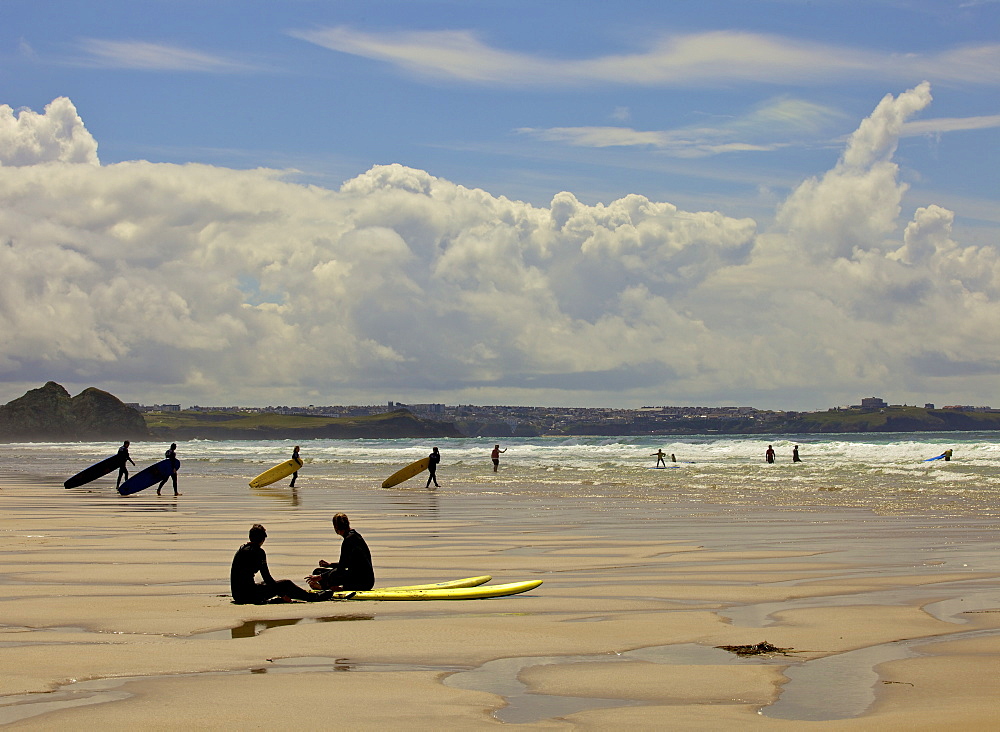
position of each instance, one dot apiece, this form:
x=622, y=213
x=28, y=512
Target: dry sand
x=115, y=614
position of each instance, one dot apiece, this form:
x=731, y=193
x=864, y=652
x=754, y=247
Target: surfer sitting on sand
x=125, y=458
x=659, y=458
x=354, y=570
x=251, y=559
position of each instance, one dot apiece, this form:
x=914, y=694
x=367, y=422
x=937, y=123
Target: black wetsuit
x=432, y=465
x=354, y=571
x=247, y=562
x=123, y=469
x=170, y=455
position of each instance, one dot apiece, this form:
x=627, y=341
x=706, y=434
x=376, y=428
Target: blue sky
x=724, y=108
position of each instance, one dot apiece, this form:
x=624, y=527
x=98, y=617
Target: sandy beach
x=115, y=614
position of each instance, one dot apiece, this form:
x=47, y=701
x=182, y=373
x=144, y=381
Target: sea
x=887, y=473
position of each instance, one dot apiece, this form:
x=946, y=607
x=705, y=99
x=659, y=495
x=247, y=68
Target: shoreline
x=102, y=588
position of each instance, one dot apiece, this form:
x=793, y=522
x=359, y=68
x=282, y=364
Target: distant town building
x=873, y=403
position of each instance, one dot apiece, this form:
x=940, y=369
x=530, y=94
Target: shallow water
x=887, y=473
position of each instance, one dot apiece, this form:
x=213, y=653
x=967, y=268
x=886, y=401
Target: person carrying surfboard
x=251, y=559
x=170, y=455
x=296, y=458
x=432, y=463
x=125, y=458
x=353, y=571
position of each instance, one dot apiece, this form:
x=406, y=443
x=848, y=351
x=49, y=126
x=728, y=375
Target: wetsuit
x=433, y=459
x=122, y=469
x=296, y=458
x=247, y=562
x=170, y=455
x=354, y=571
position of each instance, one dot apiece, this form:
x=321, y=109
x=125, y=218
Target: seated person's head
x=257, y=534
x=341, y=524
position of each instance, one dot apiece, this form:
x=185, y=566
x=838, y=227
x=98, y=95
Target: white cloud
x=726, y=57
x=775, y=124
x=28, y=138
x=950, y=124
x=156, y=57
x=208, y=285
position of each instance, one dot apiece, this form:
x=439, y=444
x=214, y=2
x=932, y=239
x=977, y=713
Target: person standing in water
x=170, y=455
x=432, y=463
x=659, y=457
x=296, y=458
x=495, y=456
x=125, y=458
x=795, y=454
x=769, y=454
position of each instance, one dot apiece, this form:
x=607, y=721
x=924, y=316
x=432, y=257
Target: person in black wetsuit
x=434, y=458
x=354, y=570
x=125, y=458
x=170, y=455
x=296, y=458
x=251, y=559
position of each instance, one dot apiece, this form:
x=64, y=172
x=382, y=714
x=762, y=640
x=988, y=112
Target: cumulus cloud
x=675, y=60
x=28, y=138
x=208, y=285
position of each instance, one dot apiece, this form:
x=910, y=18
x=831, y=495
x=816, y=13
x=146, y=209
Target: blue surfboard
x=939, y=457
x=147, y=477
x=95, y=471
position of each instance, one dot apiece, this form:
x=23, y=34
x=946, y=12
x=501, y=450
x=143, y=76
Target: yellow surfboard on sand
x=479, y=592
x=273, y=475
x=406, y=473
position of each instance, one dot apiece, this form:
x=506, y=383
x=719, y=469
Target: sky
x=785, y=204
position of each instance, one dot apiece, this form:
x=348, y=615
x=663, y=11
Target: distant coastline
x=49, y=414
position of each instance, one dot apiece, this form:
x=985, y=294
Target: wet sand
x=115, y=613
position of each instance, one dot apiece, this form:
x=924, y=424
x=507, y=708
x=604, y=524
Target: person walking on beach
x=170, y=455
x=495, y=456
x=659, y=458
x=433, y=459
x=296, y=458
x=125, y=458
x=769, y=454
x=795, y=455
x=251, y=559
x=353, y=571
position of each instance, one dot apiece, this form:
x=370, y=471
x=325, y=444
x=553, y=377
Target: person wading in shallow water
x=495, y=456
x=251, y=559
x=769, y=454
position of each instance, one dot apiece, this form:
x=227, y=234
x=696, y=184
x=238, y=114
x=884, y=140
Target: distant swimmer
x=125, y=458
x=432, y=463
x=769, y=454
x=251, y=559
x=795, y=455
x=353, y=571
x=170, y=455
x=673, y=458
x=495, y=456
x=659, y=458
x=296, y=458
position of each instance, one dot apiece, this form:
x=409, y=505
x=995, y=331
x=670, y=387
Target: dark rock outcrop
x=49, y=414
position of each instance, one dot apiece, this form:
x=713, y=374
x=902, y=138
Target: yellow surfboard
x=273, y=475
x=480, y=592
x=406, y=473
